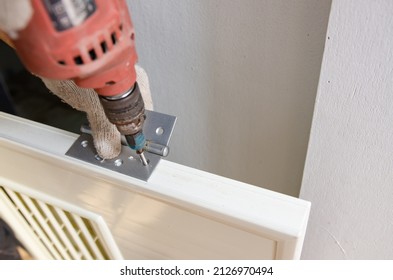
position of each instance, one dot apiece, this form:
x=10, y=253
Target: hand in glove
x=14, y=16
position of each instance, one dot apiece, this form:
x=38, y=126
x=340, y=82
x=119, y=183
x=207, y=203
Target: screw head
x=118, y=162
x=84, y=143
x=97, y=157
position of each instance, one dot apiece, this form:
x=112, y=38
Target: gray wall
x=241, y=76
x=348, y=175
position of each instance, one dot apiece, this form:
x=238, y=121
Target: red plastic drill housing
x=88, y=41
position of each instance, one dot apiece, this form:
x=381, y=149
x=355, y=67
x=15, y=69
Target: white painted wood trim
x=32, y=155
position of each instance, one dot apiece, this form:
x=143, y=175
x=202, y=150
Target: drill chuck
x=126, y=110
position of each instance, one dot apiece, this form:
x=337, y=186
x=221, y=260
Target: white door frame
x=180, y=213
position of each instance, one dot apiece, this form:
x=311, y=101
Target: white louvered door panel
x=62, y=234
x=63, y=208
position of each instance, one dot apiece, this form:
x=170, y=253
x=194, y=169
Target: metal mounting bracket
x=157, y=128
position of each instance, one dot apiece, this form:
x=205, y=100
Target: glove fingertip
x=107, y=150
x=107, y=139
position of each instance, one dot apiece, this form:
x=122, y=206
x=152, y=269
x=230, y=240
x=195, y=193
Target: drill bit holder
x=157, y=128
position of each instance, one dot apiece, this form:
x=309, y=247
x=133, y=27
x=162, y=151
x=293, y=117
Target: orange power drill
x=92, y=43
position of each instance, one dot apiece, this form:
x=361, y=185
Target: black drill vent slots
x=92, y=52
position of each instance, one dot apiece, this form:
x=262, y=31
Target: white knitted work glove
x=14, y=15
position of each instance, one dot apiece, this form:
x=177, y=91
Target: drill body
x=92, y=43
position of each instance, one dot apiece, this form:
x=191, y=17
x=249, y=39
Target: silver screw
x=97, y=156
x=159, y=130
x=118, y=162
x=84, y=143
